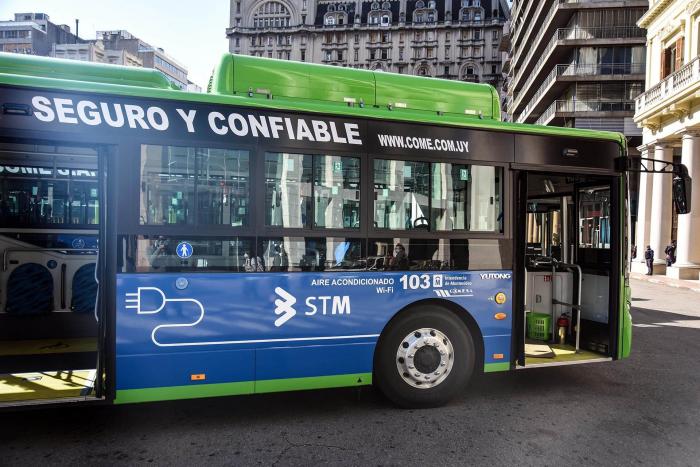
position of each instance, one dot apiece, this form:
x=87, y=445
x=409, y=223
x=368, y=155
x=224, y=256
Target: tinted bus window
x=145, y=253
x=298, y=184
x=181, y=185
x=167, y=184
x=288, y=190
x=420, y=254
x=465, y=197
x=401, y=194
x=222, y=187
x=337, y=192
x=283, y=254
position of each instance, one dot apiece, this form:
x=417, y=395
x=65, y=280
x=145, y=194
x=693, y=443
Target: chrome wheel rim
x=424, y=358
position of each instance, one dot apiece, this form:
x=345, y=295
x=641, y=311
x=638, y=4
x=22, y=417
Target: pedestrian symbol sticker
x=184, y=250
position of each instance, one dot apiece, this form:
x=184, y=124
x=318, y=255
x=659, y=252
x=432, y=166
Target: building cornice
x=654, y=11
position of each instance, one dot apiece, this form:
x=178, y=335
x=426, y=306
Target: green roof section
x=28, y=65
x=75, y=76
x=264, y=78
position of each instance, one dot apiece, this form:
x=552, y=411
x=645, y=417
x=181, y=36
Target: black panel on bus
x=562, y=151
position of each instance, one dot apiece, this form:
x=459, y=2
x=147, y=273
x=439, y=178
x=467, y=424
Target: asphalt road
x=644, y=410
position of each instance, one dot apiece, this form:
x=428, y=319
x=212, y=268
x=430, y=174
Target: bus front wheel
x=424, y=358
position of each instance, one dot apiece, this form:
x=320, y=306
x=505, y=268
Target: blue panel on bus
x=326, y=314
x=299, y=362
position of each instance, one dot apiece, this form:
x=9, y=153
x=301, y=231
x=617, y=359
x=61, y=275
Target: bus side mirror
x=682, y=189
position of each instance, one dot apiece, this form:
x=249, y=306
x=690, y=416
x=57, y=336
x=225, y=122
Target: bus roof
x=293, y=86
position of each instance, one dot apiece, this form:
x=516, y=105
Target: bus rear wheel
x=424, y=358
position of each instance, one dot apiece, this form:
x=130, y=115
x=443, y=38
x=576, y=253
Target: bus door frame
x=520, y=173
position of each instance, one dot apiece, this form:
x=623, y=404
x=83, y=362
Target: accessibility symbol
x=184, y=250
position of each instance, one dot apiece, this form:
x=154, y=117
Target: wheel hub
x=424, y=358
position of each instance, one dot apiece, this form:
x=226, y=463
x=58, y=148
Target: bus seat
x=84, y=289
x=29, y=290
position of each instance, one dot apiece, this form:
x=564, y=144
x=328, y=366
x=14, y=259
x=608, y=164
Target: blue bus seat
x=29, y=290
x=84, y=289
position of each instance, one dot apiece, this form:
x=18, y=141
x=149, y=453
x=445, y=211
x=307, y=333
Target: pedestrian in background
x=670, y=253
x=649, y=258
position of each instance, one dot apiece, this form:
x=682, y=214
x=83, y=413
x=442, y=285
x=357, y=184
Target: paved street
x=644, y=410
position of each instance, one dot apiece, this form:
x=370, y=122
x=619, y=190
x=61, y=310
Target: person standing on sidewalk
x=670, y=253
x=649, y=258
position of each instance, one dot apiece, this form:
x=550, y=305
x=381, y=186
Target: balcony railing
x=620, y=32
x=579, y=106
x=573, y=69
x=688, y=75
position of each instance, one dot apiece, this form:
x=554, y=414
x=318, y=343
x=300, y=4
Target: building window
x=303, y=55
x=238, y=7
x=271, y=14
x=494, y=35
x=493, y=69
x=385, y=54
x=356, y=57
x=672, y=59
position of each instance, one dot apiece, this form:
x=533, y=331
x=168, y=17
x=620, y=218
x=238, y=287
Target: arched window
x=380, y=16
x=331, y=7
x=423, y=70
x=271, y=14
x=375, y=6
x=425, y=15
x=420, y=4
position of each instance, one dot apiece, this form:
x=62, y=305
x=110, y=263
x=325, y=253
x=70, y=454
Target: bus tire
x=424, y=358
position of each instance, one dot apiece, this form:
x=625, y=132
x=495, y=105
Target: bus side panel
x=179, y=335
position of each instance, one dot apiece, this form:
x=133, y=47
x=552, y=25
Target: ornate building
x=454, y=39
x=669, y=112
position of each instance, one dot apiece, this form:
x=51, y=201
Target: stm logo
x=284, y=307
x=495, y=275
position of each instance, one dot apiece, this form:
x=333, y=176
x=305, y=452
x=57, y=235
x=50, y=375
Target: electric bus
x=296, y=226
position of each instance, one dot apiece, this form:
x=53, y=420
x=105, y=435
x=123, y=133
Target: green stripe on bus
x=193, y=391
x=314, y=382
x=128, y=396
x=493, y=367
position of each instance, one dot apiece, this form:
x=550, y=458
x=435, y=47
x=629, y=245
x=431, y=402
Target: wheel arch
x=460, y=312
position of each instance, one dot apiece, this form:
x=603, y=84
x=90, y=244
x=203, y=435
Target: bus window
x=336, y=192
x=84, y=205
x=428, y=254
x=158, y=253
x=465, y=197
x=222, y=187
x=288, y=190
x=170, y=186
x=167, y=184
x=401, y=194
x=311, y=254
x=594, y=217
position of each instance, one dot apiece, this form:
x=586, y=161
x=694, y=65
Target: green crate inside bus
x=539, y=326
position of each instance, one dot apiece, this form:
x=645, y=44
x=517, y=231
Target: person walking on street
x=649, y=258
x=670, y=253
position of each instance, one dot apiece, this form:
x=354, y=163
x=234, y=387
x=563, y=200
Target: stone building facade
x=453, y=39
x=669, y=113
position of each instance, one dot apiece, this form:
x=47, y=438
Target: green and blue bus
x=296, y=226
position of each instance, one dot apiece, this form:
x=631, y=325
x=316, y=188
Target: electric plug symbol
x=134, y=300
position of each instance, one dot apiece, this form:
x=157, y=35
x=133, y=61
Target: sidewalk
x=661, y=279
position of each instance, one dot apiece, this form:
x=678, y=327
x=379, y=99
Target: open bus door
x=53, y=322
x=567, y=258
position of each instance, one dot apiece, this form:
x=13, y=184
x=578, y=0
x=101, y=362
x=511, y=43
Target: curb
x=662, y=280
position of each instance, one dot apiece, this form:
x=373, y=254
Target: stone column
x=661, y=209
x=643, y=227
x=688, y=252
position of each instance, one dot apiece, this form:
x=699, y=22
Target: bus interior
x=568, y=313
x=49, y=217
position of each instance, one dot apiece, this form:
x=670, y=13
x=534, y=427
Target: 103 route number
x=420, y=281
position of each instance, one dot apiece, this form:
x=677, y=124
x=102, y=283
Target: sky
x=192, y=32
